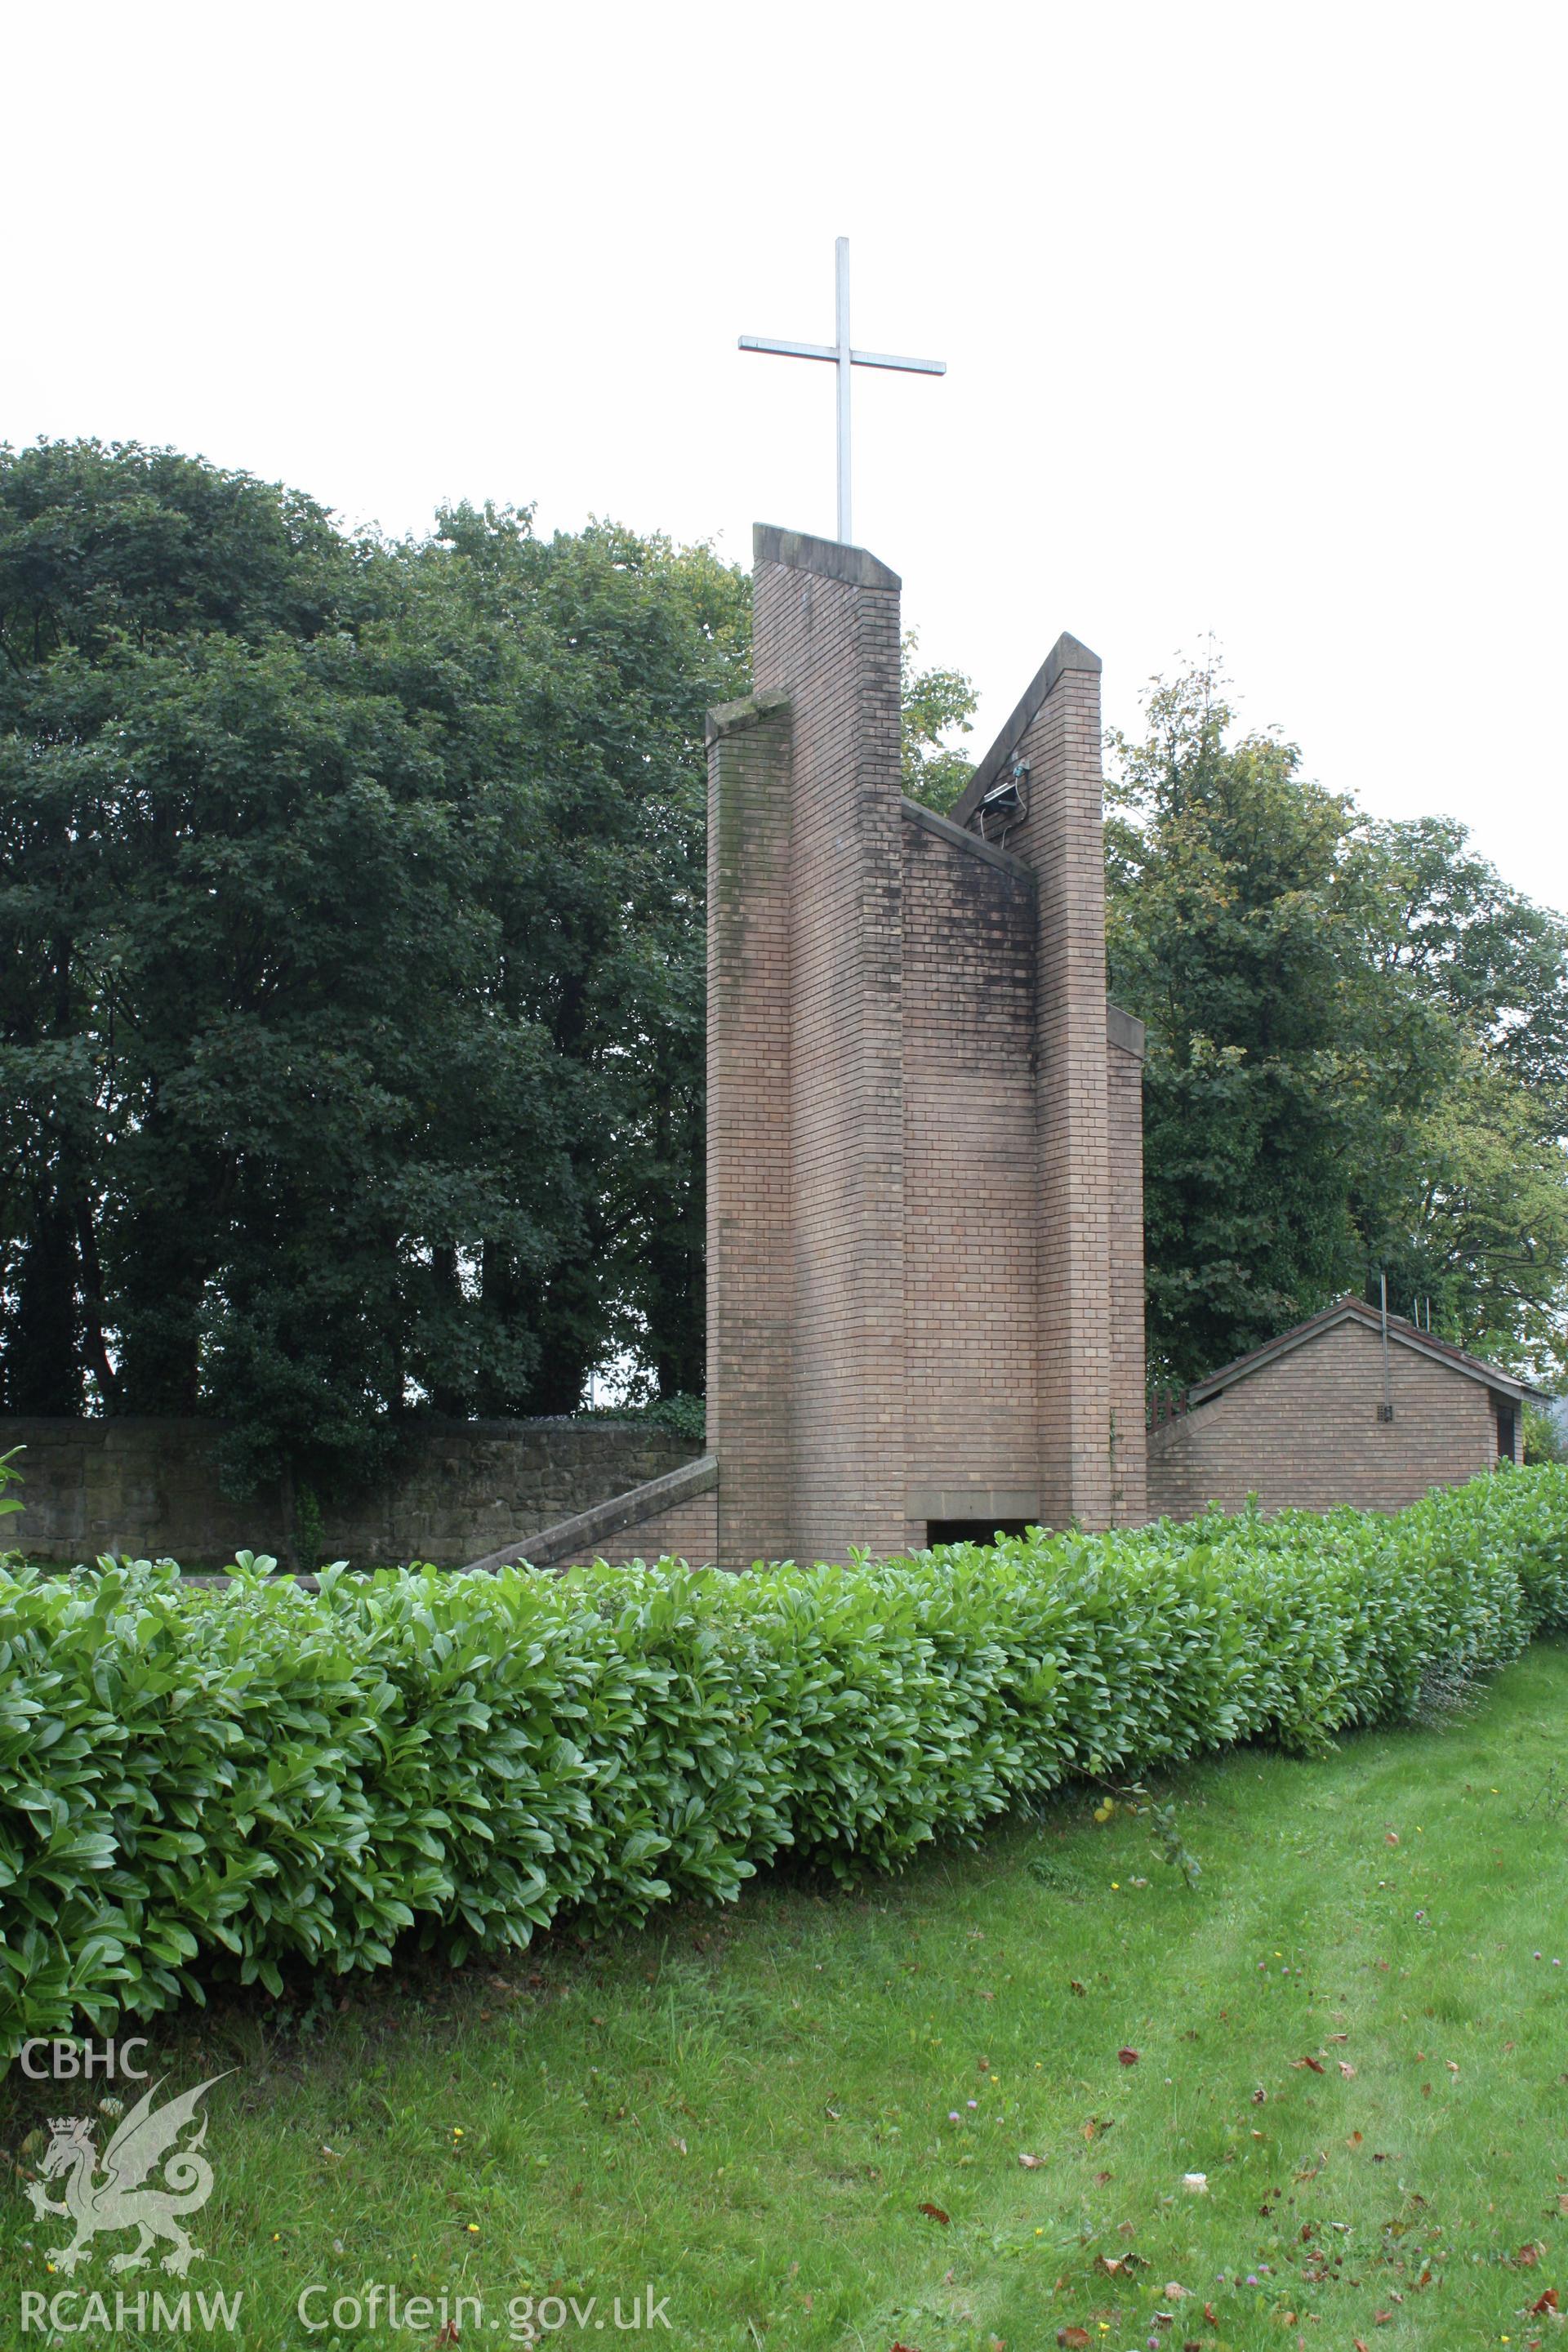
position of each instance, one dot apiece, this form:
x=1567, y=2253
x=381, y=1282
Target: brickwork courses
x=687, y=1531
x=972, y=1249
x=924, y=1219
x=750, y=1280
x=826, y=632
x=1124, y=1119
x=1302, y=1431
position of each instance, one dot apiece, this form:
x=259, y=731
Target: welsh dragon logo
x=110, y=2196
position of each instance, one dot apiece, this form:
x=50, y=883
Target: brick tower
x=925, y=1271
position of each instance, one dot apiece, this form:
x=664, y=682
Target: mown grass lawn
x=803, y=2120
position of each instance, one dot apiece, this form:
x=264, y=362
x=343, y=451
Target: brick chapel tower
x=925, y=1264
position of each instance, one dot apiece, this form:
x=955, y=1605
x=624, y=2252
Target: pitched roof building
x=1338, y=1409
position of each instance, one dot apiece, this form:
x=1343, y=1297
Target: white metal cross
x=843, y=359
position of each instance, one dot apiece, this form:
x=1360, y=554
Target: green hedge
x=201, y=1781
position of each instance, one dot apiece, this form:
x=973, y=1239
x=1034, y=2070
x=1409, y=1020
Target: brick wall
x=826, y=630
x=971, y=1263
x=687, y=1531
x=1062, y=839
x=925, y=1288
x=751, y=1278
x=1302, y=1431
x=1124, y=1119
x=454, y=1491
x=1055, y=732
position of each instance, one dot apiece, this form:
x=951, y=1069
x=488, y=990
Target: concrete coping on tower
x=734, y=717
x=830, y=558
x=1125, y=1030
x=1065, y=655
x=917, y=813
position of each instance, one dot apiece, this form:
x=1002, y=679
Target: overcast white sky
x=1254, y=317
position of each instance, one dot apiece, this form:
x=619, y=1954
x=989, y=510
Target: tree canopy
x=350, y=984
x=938, y=704
x=1358, y=1052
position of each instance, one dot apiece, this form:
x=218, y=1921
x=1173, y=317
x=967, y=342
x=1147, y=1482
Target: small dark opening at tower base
x=973, y=1531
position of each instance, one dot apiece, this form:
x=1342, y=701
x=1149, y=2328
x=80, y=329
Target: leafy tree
x=1356, y=1059
x=1471, y=943
x=351, y=911
x=937, y=704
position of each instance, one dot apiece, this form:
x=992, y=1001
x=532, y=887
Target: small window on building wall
x=1506, y=1412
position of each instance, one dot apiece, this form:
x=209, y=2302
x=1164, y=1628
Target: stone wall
x=454, y=1491
x=1302, y=1432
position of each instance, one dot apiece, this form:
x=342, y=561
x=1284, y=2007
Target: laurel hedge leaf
x=200, y=1783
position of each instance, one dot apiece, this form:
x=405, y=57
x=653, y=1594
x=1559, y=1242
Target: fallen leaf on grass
x=1211, y=2315
x=1101, y=2178
x=1031, y=2163
x=1074, y=2338
x=1315, y=2064
x=934, y=2213
x=1175, y=2293
x=1074, y=1986
x=1360, y=2343
x=1548, y=2302
x=1127, y=2056
x=1347, y=2070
